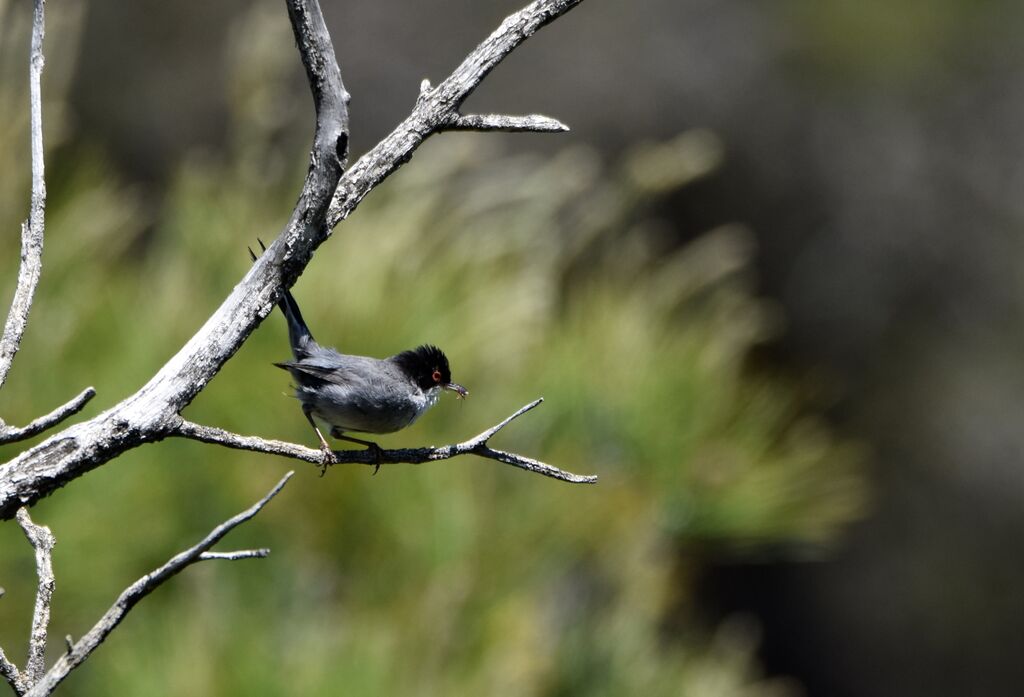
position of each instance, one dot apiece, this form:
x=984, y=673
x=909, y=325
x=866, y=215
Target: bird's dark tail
x=299, y=336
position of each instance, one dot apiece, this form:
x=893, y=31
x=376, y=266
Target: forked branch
x=478, y=445
x=153, y=412
x=147, y=415
x=83, y=648
x=42, y=541
x=32, y=232
x=438, y=108
x=327, y=197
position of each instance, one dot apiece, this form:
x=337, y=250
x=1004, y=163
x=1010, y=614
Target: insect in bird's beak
x=460, y=391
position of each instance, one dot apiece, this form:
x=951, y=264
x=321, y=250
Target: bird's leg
x=329, y=458
x=371, y=446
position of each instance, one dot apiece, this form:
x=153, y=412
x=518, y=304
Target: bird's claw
x=377, y=454
x=328, y=459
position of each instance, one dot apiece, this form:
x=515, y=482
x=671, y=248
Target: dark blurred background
x=830, y=189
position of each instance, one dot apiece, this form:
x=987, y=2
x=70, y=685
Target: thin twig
x=478, y=445
x=534, y=123
x=32, y=230
x=42, y=541
x=11, y=434
x=84, y=647
x=235, y=556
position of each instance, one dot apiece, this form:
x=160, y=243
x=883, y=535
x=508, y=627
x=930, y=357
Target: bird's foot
x=378, y=454
x=371, y=447
x=328, y=458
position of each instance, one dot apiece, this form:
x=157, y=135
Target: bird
x=359, y=393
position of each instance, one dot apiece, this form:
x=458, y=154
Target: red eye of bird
x=436, y=376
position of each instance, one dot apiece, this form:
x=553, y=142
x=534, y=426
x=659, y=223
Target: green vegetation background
x=540, y=276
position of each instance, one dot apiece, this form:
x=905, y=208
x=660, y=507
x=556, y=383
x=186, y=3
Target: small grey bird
x=358, y=393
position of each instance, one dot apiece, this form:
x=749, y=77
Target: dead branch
x=32, y=229
x=437, y=108
x=534, y=123
x=83, y=648
x=11, y=434
x=148, y=415
x=326, y=198
x=42, y=541
x=10, y=673
x=477, y=445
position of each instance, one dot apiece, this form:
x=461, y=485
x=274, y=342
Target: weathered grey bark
x=42, y=541
x=153, y=412
x=32, y=229
x=32, y=232
x=11, y=434
x=79, y=651
x=10, y=673
x=478, y=445
x=437, y=107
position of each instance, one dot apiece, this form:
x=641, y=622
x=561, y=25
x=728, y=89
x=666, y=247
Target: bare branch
x=147, y=415
x=261, y=553
x=42, y=540
x=474, y=446
x=84, y=647
x=10, y=673
x=32, y=230
x=11, y=434
x=502, y=122
x=218, y=436
x=437, y=106
x=152, y=413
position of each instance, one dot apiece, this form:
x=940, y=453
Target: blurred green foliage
x=538, y=276
x=906, y=44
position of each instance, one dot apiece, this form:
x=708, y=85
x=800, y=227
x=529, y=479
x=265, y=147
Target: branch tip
x=11, y=434
x=482, y=438
x=532, y=123
x=234, y=556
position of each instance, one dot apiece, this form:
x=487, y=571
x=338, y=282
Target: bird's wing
x=334, y=368
x=329, y=374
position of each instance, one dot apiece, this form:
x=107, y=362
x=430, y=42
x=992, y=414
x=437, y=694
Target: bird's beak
x=458, y=389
